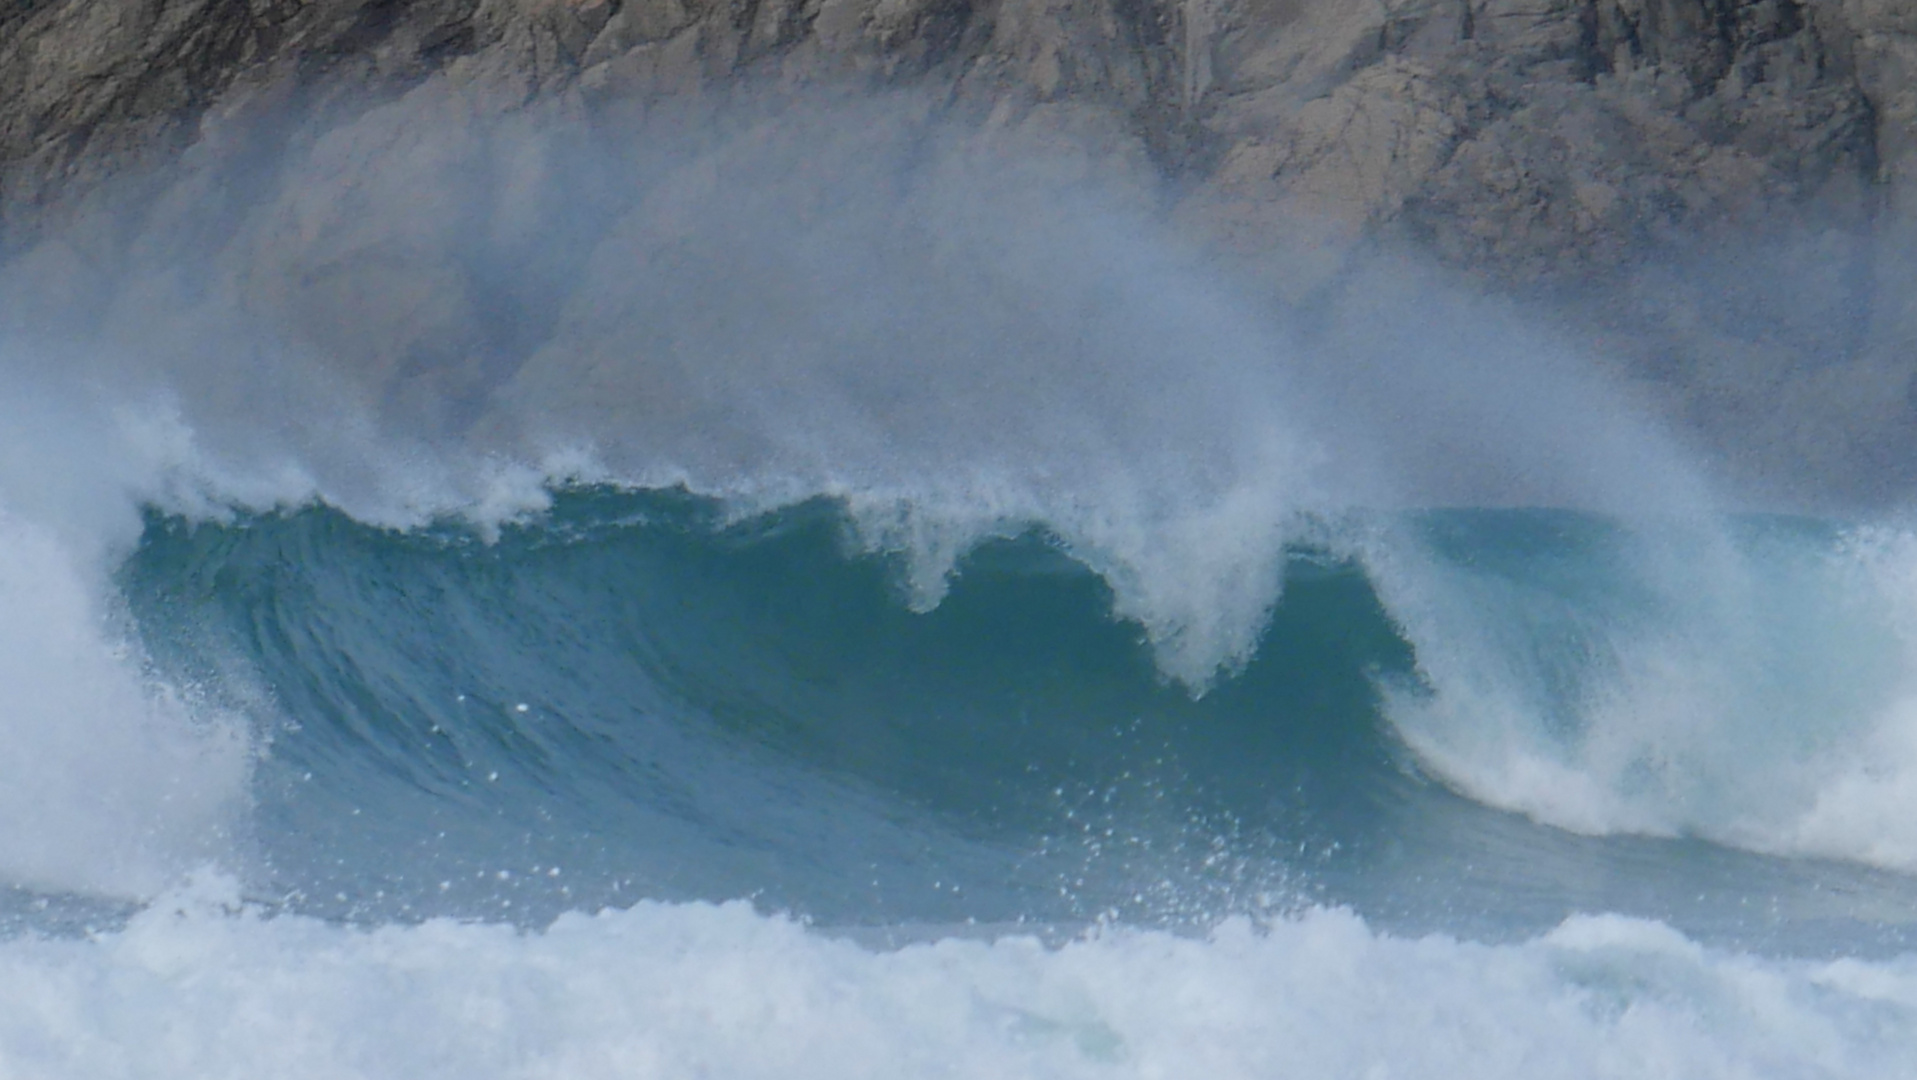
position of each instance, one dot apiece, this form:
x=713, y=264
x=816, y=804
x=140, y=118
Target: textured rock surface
x=1722, y=192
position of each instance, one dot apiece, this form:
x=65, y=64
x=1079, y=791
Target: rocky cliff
x=1721, y=193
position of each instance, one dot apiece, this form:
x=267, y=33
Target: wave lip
x=656, y=694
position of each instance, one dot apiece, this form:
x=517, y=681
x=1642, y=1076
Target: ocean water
x=634, y=786
x=926, y=633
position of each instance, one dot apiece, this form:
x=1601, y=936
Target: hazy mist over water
x=474, y=547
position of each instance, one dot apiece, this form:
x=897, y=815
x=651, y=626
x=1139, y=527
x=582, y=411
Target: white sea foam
x=111, y=781
x=1759, y=692
x=1866, y=808
x=108, y=783
x=194, y=987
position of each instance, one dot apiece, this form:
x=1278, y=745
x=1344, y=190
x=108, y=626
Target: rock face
x=1723, y=192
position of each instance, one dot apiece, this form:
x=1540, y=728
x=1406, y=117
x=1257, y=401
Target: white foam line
x=194, y=988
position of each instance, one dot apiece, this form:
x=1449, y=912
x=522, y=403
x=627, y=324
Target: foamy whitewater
x=825, y=595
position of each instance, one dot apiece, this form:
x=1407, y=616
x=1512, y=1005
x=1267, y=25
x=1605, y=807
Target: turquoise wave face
x=636, y=697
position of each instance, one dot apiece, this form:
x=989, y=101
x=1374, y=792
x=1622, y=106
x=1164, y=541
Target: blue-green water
x=634, y=695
